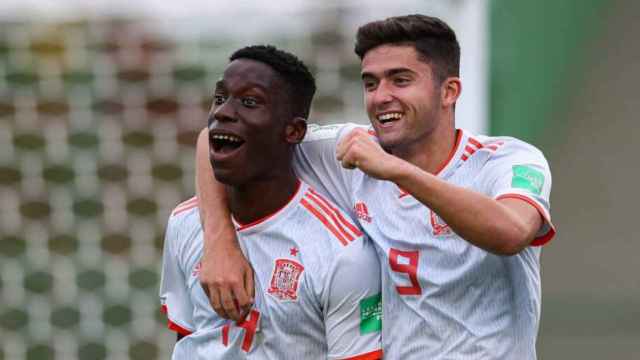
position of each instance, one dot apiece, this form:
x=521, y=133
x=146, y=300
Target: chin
x=227, y=176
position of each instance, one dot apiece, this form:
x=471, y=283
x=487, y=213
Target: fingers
x=229, y=304
x=349, y=150
x=216, y=302
x=244, y=294
x=249, y=286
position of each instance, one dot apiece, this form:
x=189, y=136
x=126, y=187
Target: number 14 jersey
x=313, y=299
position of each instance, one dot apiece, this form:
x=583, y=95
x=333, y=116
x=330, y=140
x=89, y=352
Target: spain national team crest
x=285, y=280
x=440, y=228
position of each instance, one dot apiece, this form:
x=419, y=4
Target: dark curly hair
x=302, y=84
x=432, y=38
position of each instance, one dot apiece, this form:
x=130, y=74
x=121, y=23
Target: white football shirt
x=444, y=298
x=317, y=286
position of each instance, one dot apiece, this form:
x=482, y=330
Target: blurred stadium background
x=100, y=104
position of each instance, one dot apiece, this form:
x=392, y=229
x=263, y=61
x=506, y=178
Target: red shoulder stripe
x=188, y=202
x=475, y=142
x=184, y=208
x=354, y=229
x=331, y=216
x=324, y=220
x=185, y=205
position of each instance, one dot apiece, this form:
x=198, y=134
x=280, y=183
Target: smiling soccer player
x=311, y=301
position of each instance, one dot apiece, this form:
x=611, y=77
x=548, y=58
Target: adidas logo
x=362, y=212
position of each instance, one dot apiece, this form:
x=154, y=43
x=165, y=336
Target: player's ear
x=295, y=129
x=450, y=91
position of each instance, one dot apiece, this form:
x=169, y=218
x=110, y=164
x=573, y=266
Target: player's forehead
x=246, y=73
x=392, y=58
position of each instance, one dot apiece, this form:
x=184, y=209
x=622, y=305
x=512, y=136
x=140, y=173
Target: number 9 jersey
x=443, y=297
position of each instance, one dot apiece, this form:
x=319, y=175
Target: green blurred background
x=98, y=118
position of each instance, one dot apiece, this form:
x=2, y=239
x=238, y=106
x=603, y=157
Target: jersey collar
x=265, y=221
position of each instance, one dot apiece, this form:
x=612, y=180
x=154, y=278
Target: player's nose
x=225, y=112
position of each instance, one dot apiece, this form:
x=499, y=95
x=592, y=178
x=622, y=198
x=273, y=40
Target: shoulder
x=330, y=224
x=502, y=147
x=317, y=132
x=183, y=225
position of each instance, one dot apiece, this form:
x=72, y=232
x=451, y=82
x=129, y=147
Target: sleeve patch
x=527, y=178
x=371, y=314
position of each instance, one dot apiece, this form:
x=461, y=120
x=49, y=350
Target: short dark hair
x=302, y=84
x=432, y=38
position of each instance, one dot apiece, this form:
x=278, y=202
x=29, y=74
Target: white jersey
x=317, y=281
x=444, y=298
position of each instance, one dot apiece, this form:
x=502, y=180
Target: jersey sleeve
x=520, y=171
x=352, y=305
x=174, y=295
x=315, y=162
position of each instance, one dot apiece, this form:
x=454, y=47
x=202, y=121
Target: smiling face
x=402, y=98
x=248, y=124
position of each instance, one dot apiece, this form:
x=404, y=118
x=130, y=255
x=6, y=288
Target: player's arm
x=352, y=307
x=504, y=226
x=226, y=276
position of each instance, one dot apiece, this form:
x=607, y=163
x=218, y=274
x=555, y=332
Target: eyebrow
x=388, y=73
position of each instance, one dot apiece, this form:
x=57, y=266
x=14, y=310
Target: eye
x=219, y=99
x=369, y=85
x=401, y=81
x=249, y=102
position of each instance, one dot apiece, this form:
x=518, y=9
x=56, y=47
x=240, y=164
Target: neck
x=255, y=200
x=432, y=151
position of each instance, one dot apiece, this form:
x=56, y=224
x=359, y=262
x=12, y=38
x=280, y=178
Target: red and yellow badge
x=284, y=280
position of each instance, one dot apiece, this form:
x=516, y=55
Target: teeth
x=389, y=116
x=227, y=138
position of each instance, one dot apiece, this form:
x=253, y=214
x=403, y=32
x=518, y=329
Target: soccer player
x=311, y=301
x=457, y=218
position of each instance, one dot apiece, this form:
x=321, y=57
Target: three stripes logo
x=331, y=217
x=362, y=212
x=475, y=145
x=184, y=206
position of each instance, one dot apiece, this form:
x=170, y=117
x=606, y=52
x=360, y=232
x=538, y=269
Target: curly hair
x=302, y=84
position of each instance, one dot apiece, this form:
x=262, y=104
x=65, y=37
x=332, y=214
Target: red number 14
x=249, y=325
x=410, y=268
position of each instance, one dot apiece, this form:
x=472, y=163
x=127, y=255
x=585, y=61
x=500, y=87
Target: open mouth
x=389, y=117
x=225, y=143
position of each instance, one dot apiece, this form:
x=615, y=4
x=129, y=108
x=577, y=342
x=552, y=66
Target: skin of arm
x=226, y=276
x=502, y=227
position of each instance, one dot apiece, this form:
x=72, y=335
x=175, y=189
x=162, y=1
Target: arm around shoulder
x=226, y=276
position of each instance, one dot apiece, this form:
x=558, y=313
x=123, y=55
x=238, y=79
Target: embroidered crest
x=284, y=280
x=439, y=227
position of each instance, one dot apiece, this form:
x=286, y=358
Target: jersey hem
x=539, y=240
x=173, y=326
x=373, y=355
